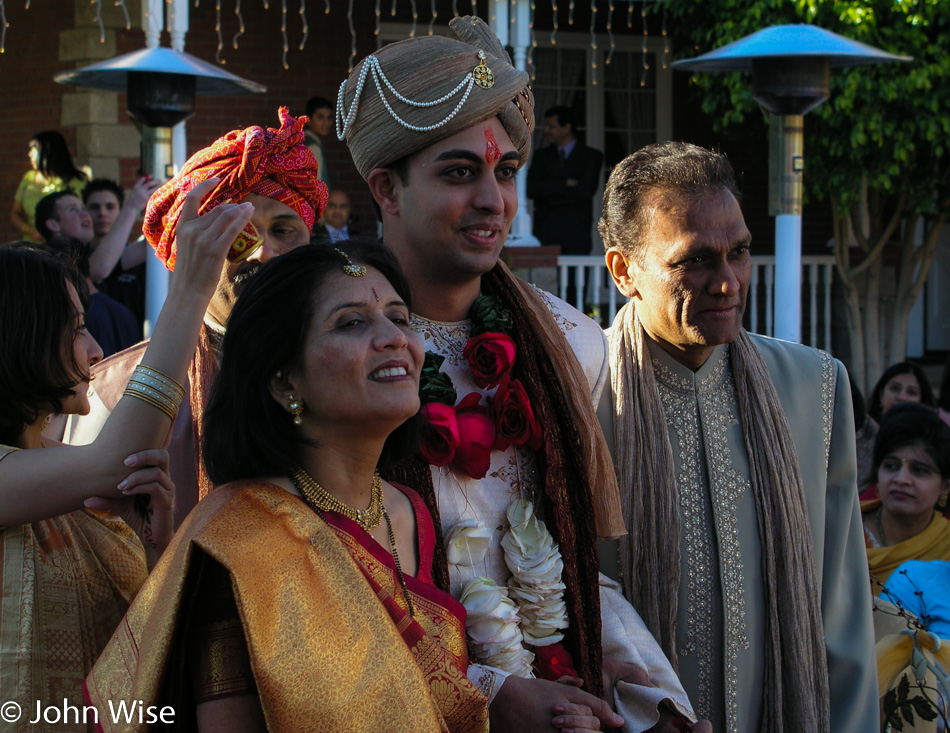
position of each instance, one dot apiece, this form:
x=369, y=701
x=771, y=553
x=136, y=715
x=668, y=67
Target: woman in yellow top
x=912, y=464
x=53, y=170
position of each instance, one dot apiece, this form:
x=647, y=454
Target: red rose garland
x=465, y=434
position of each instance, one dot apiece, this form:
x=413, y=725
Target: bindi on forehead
x=492, y=151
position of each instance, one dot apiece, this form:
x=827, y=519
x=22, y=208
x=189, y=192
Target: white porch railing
x=596, y=295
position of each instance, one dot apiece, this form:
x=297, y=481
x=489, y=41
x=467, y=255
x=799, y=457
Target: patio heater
x=791, y=66
x=160, y=85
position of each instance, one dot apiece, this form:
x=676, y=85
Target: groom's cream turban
x=411, y=94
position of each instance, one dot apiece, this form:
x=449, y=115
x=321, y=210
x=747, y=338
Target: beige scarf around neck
x=796, y=696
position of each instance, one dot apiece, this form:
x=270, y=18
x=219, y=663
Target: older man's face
x=282, y=230
x=690, y=279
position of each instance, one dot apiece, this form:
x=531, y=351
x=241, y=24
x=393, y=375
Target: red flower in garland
x=490, y=356
x=515, y=423
x=476, y=431
x=552, y=662
x=440, y=434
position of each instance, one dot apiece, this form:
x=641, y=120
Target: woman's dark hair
x=54, y=158
x=37, y=365
x=901, y=367
x=914, y=424
x=246, y=433
x=943, y=401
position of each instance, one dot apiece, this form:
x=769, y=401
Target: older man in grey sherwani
x=736, y=461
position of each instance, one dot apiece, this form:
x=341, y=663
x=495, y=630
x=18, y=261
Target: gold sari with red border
x=331, y=648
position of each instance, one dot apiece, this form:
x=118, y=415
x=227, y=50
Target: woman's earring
x=295, y=408
x=942, y=502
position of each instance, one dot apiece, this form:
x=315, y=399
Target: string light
x=237, y=12
x=593, y=41
x=666, y=42
x=266, y=5
x=283, y=32
x=349, y=18
x=415, y=18
x=474, y=9
x=512, y=13
x=3, y=27
x=434, y=16
x=303, y=21
x=392, y=10
x=217, y=29
x=375, y=32
x=455, y=9
x=630, y=15
x=125, y=12
x=646, y=66
x=102, y=28
x=554, y=30
x=534, y=43
x=570, y=13
x=610, y=31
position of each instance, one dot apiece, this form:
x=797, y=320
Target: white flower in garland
x=536, y=584
x=467, y=543
x=493, y=627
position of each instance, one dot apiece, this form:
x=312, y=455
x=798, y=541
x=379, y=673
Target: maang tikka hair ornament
x=349, y=268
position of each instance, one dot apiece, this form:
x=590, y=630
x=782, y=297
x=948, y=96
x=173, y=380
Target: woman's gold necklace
x=319, y=498
x=402, y=578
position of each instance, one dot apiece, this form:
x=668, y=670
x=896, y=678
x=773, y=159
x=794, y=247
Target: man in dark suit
x=562, y=180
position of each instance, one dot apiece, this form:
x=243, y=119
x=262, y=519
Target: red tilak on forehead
x=492, y=151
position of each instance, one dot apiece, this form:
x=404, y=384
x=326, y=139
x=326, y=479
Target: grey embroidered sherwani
x=721, y=612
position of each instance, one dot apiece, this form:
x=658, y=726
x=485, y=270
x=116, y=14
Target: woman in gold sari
x=298, y=596
x=68, y=567
x=912, y=465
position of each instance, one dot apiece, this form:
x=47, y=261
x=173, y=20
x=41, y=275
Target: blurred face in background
x=337, y=213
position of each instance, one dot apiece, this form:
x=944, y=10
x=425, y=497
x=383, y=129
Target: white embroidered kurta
x=512, y=474
x=721, y=606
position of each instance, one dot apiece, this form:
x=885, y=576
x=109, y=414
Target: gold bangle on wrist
x=155, y=388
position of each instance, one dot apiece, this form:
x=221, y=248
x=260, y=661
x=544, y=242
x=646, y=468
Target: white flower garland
x=531, y=609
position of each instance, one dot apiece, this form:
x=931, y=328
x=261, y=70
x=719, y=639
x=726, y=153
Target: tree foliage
x=879, y=148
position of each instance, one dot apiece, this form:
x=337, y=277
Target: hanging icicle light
x=646, y=57
x=240, y=18
x=305, y=28
x=283, y=32
x=217, y=29
x=378, y=22
x=534, y=43
x=434, y=16
x=593, y=42
x=125, y=12
x=3, y=27
x=349, y=18
x=392, y=10
x=666, y=42
x=570, y=13
x=554, y=30
x=610, y=31
x=415, y=18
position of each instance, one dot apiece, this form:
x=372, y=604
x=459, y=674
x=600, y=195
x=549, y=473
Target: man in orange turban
x=274, y=171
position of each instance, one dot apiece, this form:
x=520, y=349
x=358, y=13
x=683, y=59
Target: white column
x=518, y=37
x=179, y=28
x=788, y=277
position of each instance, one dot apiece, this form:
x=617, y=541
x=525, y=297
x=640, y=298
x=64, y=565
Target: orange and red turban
x=268, y=162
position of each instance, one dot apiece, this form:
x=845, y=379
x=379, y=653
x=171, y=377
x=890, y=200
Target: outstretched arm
x=79, y=472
